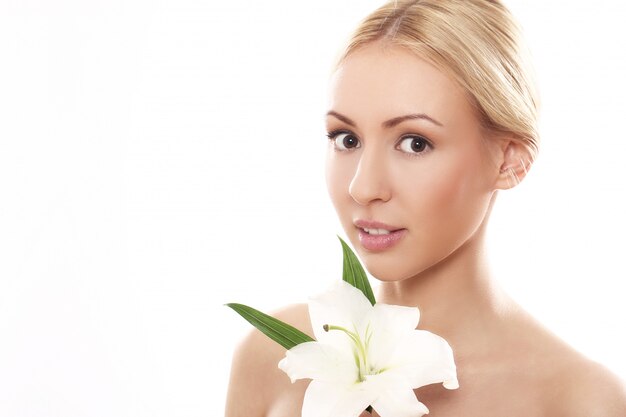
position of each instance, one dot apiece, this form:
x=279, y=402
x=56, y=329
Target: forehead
x=383, y=82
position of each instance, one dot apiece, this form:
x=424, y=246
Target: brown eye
x=414, y=144
x=344, y=140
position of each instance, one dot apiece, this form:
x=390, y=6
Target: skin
x=508, y=365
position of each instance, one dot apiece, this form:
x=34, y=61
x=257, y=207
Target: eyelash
x=332, y=137
x=428, y=146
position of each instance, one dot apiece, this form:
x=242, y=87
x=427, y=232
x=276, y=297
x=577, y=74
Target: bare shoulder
x=591, y=390
x=566, y=382
x=255, y=380
x=578, y=386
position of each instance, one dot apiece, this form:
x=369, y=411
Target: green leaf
x=354, y=274
x=280, y=332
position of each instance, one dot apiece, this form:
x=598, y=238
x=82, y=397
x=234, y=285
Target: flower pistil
x=359, y=347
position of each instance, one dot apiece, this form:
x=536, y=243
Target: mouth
x=377, y=232
x=377, y=236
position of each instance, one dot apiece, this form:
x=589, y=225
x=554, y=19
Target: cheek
x=444, y=207
x=449, y=187
x=439, y=194
x=432, y=189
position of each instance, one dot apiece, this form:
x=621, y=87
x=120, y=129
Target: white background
x=161, y=158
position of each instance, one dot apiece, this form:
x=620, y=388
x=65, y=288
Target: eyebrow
x=389, y=123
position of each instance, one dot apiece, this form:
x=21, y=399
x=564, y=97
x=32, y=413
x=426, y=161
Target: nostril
x=371, y=180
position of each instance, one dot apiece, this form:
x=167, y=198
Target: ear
x=515, y=162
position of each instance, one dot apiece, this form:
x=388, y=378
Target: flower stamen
x=360, y=349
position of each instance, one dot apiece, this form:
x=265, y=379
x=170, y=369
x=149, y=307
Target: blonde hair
x=476, y=42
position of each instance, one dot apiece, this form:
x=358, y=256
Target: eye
x=414, y=144
x=343, y=140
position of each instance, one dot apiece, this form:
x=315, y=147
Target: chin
x=388, y=268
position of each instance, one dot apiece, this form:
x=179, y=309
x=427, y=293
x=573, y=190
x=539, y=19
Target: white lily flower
x=367, y=355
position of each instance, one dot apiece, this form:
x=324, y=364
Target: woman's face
x=406, y=149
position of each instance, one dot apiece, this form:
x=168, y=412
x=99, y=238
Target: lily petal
x=400, y=402
x=369, y=355
x=400, y=318
x=391, y=324
x=425, y=358
x=329, y=400
x=320, y=362
x=343, y=305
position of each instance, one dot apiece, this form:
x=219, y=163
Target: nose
x=371, y=181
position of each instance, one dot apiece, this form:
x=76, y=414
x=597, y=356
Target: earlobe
x=515, y=164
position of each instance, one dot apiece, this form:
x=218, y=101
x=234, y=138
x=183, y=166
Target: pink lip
x=374, y=225
x=377, y=243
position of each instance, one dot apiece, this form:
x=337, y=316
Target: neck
x=457, y=297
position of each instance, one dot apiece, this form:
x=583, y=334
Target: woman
x=432, y=112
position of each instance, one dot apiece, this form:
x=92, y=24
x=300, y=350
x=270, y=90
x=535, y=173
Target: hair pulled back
x=476, y=42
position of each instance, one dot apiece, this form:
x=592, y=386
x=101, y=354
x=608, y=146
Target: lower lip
x=380, y=242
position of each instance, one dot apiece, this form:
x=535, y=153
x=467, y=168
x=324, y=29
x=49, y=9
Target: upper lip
x=372, y=224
